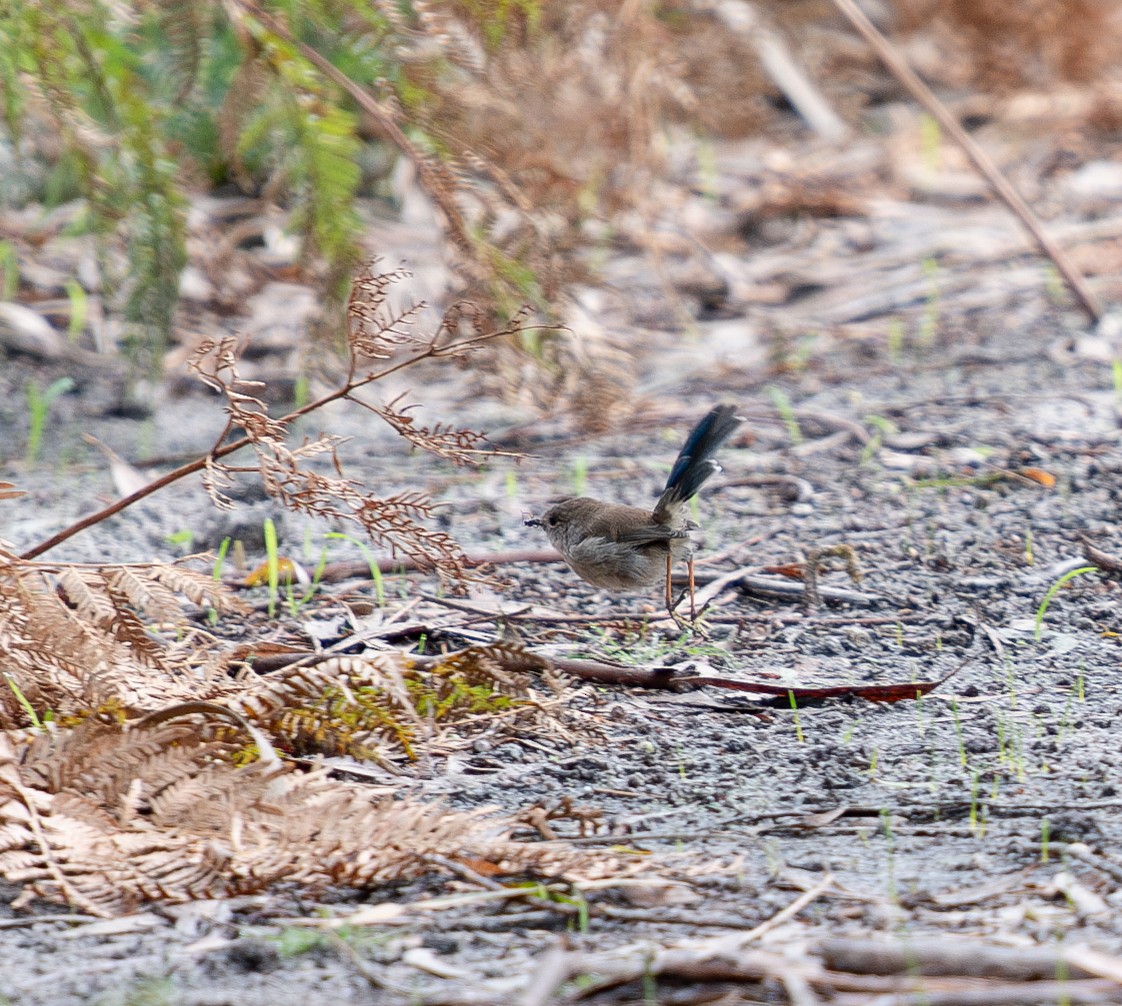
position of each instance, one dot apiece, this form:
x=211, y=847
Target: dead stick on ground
x=1000, y=184
x=793, y=909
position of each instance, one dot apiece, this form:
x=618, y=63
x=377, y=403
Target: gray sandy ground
x=946, y=799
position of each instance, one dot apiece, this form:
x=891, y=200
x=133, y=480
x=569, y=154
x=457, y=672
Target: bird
x=621, y=547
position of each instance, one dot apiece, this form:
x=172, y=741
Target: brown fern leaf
x=459, y=446
x=85, y=589
x=206, y=828
x=374, y=331
x=393, y=521
x=199, y=588
x=145, y=593
x=76, y=639
x=243, y=99
x=215, y=362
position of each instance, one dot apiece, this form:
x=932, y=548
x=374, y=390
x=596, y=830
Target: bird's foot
x=692, y=624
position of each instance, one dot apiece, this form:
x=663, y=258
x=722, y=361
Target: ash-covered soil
x=943, y=801
x=966, y=457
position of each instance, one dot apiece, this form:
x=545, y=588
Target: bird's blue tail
x=695, y=463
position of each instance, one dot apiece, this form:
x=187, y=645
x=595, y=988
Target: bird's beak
x=532, y=522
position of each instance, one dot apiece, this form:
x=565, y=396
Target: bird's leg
x=693, y=606
x=672, y=603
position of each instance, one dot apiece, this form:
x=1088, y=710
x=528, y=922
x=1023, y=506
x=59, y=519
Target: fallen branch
x=981, y=160
x=924, y=955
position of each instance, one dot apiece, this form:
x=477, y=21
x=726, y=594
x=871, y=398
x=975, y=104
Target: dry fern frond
x=459, y=446
x=374, y=331
x=1005, y=46
x=398, y=521
x=79, y=638
x=171, y=818
x=380, y=707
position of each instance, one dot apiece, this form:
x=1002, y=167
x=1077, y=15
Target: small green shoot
x=511, y=484
x=578, y=901
x=32, y=715
x=1054, y=285
x=580, y=475
x=149, y=992
x=929, y=322
x=9, y=271
x=894, y=339
x=185, y=538
x=882, y=428
x=798, y=722
x=272, y=564
x=1030, y=557
x=302, y=391
x=79, y=309
x=375, y=569
x=1045, y=832
x=38, y=405
x=293, y=941
x=707, y=171
x=650, y=983
x=786, y=412
x=930, y=141
x=958, y=733
x=1042, y=610
x=890, y=847
x=216, y=575
x=1116, y=374
x=321, y=565
x=874, y=759
x=220, y=559
x=977, y=807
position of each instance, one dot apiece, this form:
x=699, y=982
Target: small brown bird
x=626, y=547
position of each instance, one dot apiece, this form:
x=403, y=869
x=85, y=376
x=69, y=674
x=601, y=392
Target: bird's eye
x=552, y=520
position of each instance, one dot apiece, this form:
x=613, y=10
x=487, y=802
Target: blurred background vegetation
x=525, y=121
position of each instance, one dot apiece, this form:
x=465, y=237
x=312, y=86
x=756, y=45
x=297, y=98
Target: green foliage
x=1042, y=609
x=349, y=720
x=497, y=20
x=9, y=271
x=147, y=99
x=38, y=405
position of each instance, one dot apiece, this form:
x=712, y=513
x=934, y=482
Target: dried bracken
x=375, y=332
x=79, y=638
x=1006, y=46
x=140, y=758
x=133, y=789
x=105, y=817
x=384, y=706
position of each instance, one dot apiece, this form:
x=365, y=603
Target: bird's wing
x=652, y=533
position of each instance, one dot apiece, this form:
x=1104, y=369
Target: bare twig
x=434, y=350
x=793, y=909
